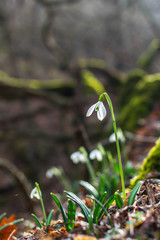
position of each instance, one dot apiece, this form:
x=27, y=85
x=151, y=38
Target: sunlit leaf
x=119, y=200
x=106, y=205
x=101, y=207
x=71, y=214
x=37, y=220
x=98, y=208
x=83, y=207
x=90, y=188
x=57, y=201
x=133, y=193
x=49, y=218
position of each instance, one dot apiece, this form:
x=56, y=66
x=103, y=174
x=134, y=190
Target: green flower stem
x=124, y=152
x=42, y=203
x=88, y=164
x=90, y=170
x=117, y=142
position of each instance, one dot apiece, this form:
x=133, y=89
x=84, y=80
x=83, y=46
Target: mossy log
x=11, y=87
x=138, y=94
x=150, y=163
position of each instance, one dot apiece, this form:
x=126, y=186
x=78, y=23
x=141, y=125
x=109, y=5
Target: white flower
x=35, y=193
x=77, y=157
x=99, y=108
x=96, y=154
x=120, y=136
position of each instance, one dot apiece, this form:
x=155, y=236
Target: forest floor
x=141, y=220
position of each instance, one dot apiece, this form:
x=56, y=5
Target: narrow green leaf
x=57, y=201
x=71, y=215
x=49, y=218
x=83, y=207
x=101, y=206
x=133, y=193
x=119, y=200
x=2, y=215
x=36, y=220
x=106, y=205
x=90, y=220
x=98, y=208
x=11, y=223
x=90, y=188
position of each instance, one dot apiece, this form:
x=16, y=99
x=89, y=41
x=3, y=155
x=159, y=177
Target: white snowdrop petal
x=34, y=193
x=112, y=138
x=120, y=137
x=82, y=158
x=99, y=116
x=75, y=157
x=49, y=173
x=90, y=110
x=92, y=155
x=102, y=110
x=99, y=156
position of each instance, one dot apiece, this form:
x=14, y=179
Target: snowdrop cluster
x=78, y=157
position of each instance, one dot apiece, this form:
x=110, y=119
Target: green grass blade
x=133, y=194
x=83, y=207
x=71, y=214
x=106, y=205
x=49, y=218
x=11, y=223
x=119, y=200
x=90, y=188
x=2, y=215
x=57, y=201
x=36, y=220
x=98, y=208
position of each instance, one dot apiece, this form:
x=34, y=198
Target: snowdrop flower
x=99, y=108
x=35, y=193
x=96, y=154
x=54, y=171
x=77, y=157
x=120, y=136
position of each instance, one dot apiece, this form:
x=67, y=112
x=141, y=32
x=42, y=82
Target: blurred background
x=56, y=57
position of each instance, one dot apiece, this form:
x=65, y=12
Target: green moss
x=137, y=98
x=134, y=110
x=89, y=80
x=128, y=85
x=151, y=162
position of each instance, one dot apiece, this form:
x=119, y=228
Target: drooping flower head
x=35, y=193
x=77, y=157
x=54, y=171
x=120, y=136
x=99, y=108
x=96, y=154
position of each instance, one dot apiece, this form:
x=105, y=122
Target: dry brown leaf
x=9, y=231
x=84, y=237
